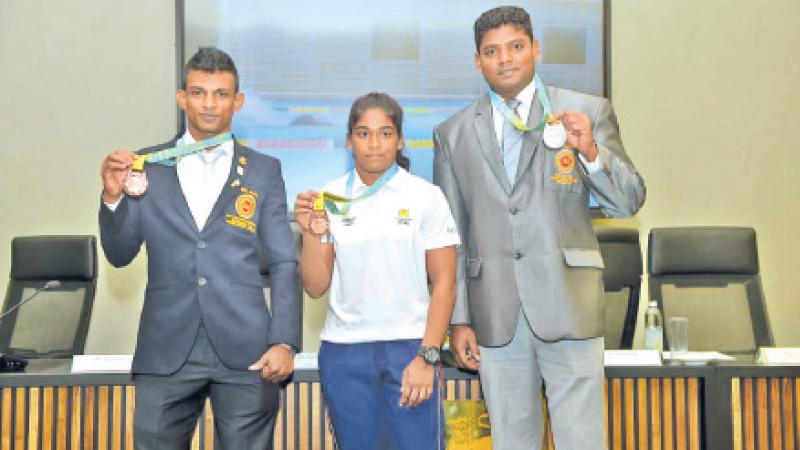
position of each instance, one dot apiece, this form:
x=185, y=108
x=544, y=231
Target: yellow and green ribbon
x=331, y=199
x=167, y=157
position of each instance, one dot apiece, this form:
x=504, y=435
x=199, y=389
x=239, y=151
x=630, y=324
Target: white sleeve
x=438, y=227
x=113, y=206
x=591, y=167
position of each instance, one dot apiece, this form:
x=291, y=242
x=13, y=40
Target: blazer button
x=513, y=211
x=201, y=244
x=517, y=255
x=202, y=281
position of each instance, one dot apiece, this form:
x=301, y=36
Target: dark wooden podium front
x=728, y=406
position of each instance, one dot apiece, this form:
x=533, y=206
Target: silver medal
x=554, y=135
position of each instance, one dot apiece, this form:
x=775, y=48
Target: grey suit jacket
x=531, y=245
x=209, y=275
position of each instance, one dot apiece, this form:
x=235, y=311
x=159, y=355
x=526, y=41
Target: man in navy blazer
x=205, y=329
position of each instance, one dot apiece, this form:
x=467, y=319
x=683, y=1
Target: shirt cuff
x=591, y=167
x=113, y=206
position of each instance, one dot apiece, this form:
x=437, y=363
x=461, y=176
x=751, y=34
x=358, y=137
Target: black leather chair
x=711, y=276
x=50, y=295
x=622, y=278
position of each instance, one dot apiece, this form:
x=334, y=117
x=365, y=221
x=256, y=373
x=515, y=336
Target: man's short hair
x=211, y=59
x=497, y=17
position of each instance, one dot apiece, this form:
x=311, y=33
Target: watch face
x=430, y=355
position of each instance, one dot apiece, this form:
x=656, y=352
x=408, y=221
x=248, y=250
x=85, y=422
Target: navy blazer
x=209, y=275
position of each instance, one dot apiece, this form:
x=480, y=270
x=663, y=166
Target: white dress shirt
x=526, y=98
x=202, y=176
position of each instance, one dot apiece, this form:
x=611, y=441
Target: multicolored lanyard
x=513, y=117
x=167, y=157
x=347, y=199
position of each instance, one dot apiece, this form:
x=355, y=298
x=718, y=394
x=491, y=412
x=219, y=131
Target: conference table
x=730, y=405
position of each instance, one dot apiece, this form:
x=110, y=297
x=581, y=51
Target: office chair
x=622, y=279
x=711, y=276
x=50, y=295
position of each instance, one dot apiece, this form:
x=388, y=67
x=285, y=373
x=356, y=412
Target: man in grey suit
x=517, y=167
x=205, y=329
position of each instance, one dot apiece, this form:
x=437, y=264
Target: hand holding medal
x=114, y=173
x=578, y=131
x=310, y=214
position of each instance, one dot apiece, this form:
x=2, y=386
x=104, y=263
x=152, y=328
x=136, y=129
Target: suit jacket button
x=202, y=281
x=517, y=255
x=513, y=211
x=201, y=244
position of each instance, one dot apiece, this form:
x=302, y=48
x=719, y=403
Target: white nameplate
x=305, y=360
x=786, y=356
x=698, y=358
x=632, y=358
x=101, y=363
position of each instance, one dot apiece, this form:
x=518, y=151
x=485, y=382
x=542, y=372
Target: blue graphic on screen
x=308, y=136
x=301, y=65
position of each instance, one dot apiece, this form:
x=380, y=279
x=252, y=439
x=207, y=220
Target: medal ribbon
x=347, y=199
x=513, y=117
x=168, y=156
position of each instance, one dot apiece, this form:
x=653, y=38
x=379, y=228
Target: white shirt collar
x=224, y=149
x=393, y=183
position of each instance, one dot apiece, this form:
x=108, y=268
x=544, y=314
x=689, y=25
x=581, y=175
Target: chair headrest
x=615, y=234
x=622, y=256
x=53, y=257
x=702, y=250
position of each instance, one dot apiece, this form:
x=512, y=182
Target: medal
x=135, y=184
x=319, y=218
x=554, y=134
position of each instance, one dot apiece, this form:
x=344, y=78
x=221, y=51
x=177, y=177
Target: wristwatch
x=430, y=355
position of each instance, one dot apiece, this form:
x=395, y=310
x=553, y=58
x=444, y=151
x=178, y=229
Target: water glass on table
x=678, y=334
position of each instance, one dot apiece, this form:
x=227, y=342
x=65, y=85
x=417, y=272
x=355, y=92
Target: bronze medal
x=135, y=184
x=319, y=218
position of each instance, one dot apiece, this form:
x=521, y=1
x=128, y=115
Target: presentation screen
x=301, y=65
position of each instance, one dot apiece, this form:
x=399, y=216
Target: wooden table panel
x=645, y=413
x=765, y=410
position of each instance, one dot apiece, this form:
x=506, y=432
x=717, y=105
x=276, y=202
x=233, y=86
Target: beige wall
x=707, y=96
x=79, y=80
x=705, y=92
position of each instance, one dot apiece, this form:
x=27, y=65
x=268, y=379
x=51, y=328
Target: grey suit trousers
x=572, y=374
x=167, y=406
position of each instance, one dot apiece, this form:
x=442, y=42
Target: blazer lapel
x=532, y=139
x=229, y=191
x=176, y=195
x=484, y=128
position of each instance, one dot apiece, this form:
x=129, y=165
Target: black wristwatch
x=430, y=355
